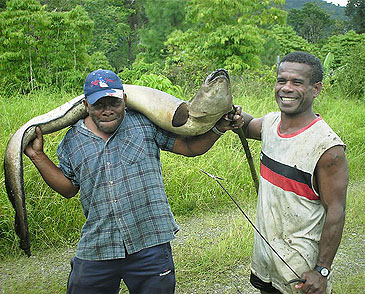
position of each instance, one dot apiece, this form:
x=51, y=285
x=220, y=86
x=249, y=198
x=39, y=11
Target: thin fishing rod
x=299, y=279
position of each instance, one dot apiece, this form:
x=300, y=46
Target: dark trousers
x=149, y=271
x=263, y=286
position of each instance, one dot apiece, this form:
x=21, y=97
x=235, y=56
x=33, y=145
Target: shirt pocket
x=132, y=147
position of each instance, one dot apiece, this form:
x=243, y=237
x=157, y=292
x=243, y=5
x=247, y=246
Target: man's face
x=107, y=113
x=294, y=92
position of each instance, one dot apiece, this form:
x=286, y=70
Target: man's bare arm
x=197, y=145
x=331, y=179
x=252, y=126
x=51, y=174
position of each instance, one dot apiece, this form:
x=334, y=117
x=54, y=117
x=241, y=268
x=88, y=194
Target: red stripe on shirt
x=287, y=184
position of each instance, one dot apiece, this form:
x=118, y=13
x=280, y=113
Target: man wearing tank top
x=303, y=184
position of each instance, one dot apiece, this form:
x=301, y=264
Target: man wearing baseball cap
x=113, y=158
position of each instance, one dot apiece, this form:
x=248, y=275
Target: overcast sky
x=340, y=2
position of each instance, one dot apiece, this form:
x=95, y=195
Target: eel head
x=214, y=97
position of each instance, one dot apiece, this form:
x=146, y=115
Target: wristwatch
x=322, y=270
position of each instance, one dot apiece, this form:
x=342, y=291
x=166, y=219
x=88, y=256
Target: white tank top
x=289, y=212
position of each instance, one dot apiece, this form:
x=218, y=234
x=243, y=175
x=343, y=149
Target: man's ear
x=317, y=89
x=125, y=97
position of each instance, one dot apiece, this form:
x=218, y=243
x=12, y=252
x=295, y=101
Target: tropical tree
x=60, y=5
x=114, y=27
x=40, y=48
x=2, y=4
x=223, y=33
x=289, y=41
x=111, y=29
x=350, y=77
x=341, y=46
x=162, y=17
x=21, y=27
x=66, y=44
x=348, y=64
x=311, y=22
x=355, y=10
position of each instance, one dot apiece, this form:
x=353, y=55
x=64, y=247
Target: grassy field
x=213, y=249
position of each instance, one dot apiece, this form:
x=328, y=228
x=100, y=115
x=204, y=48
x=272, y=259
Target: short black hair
x=306, y=58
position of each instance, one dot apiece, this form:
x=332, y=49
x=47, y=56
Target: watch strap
x=322, y=270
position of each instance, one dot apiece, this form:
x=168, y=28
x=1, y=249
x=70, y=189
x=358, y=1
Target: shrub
x=349, y=79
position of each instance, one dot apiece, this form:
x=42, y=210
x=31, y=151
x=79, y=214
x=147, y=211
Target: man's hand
x=198, y=145
x=35, y=147
x=52, y=175
x=231, y=120
x=315, y=283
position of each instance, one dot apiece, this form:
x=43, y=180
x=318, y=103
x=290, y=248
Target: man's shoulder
x=272, y=115
x=137, y=118
x=73, y=128
x=326, y=133
x=270, y=118
x=134, y=114
x=72, y=133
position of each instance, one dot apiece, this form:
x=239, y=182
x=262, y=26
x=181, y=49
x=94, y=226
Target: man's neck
x=292, y=123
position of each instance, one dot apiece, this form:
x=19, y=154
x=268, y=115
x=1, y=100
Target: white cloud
x=338, y=2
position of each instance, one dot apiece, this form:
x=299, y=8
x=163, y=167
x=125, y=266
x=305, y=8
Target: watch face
x=324, y=272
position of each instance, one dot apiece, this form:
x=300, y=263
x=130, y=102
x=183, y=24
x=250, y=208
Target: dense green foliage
x=40, y=48
x=336, y=12
x=228, y=34
x=355, y=10
x=311, y=22
x=163, y=18
x=348, y=65
x=111, y=30
x=289, y=41
x=51, y=43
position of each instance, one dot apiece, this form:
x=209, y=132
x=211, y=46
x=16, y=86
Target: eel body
x=191, y=118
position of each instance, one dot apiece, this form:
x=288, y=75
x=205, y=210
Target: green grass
x=214, y=248
x=347, y=119
x=211, y=253
x=52, y=220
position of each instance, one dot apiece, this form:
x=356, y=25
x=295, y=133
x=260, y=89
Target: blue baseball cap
x=101, y=83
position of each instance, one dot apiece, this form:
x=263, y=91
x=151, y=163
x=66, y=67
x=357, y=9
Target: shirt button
x=108, y=163
x=111, y=182
x=115, y=200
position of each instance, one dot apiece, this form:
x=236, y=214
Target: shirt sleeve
x=165, y=140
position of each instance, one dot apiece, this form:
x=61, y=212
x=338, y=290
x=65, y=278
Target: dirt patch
x=47, y=272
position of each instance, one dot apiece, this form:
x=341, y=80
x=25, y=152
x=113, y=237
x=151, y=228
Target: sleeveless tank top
x=289, y=211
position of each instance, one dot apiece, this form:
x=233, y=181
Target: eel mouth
x=215, y=75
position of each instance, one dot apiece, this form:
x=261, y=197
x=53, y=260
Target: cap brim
x=118, y=93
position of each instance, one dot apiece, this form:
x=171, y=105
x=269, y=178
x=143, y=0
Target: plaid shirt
x=121, y=187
